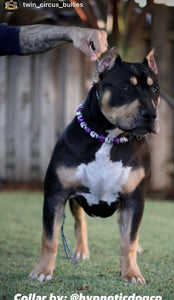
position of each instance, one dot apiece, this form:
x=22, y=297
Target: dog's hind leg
x=53, y=210
x=81, y=244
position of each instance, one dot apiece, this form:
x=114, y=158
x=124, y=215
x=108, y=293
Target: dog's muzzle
x=140, y=125
x=151, y=120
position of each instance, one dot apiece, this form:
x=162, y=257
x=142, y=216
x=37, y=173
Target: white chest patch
x=103, y=177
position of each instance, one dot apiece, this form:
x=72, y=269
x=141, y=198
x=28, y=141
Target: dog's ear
x=150, y=61
x=108, y=60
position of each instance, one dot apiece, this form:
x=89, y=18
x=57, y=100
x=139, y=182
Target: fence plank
x=3, y=84
x=23, y=132
x=48, y=98
x=11, y=117
x=35, y=116
x=74, y=82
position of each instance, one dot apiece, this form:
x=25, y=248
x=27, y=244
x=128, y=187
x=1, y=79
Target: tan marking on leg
x=133, y=80
x=149, y=80
x=133, y=180
x=139, y=248
x=124, y=111
x=46, y=263
x=129, y=269
x=81, y=244
x=67, y=177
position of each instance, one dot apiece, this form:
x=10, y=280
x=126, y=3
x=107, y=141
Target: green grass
x=20, y=223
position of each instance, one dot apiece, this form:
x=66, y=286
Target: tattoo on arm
x=41, y=38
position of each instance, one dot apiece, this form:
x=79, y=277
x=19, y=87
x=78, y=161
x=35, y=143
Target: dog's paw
x=81, y=252
x=81, y=255
x=132, y=275
x=40, y=277
x=134, y=279
x=40, y=274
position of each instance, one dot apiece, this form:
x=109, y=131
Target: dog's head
x=129, y=93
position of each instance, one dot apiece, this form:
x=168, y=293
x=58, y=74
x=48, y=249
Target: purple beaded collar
x=101, y=138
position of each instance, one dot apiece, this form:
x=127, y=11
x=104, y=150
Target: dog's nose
x=149, y=116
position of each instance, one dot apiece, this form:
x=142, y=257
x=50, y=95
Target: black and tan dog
x=101, y=162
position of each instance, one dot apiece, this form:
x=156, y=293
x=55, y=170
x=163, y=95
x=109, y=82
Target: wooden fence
x=38, y=97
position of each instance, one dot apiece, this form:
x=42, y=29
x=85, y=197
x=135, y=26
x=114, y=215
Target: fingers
x=97, y=44
x=92, y=42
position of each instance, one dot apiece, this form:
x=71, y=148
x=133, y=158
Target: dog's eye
x=126, y=88
x=155, y=89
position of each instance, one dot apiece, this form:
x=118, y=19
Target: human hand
x=91, y=42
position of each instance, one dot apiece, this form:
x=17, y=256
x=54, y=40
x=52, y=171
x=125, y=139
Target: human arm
x=41, y=38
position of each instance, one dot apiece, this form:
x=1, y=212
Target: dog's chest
x=103, y=177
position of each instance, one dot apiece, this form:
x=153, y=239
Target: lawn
x=20, y=222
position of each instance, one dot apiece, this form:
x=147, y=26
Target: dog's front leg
x=130, y=218
x=53, y=211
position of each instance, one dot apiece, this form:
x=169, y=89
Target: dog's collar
x=100, y=137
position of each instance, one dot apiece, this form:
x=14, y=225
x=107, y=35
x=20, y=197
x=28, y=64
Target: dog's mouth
x=141, y=130
x=137, y=126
